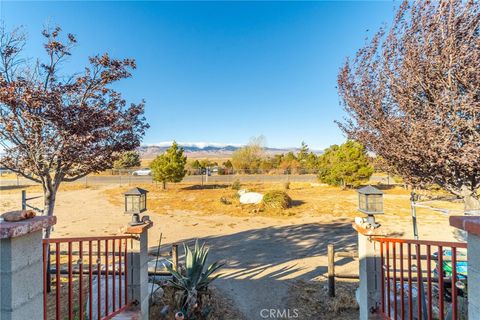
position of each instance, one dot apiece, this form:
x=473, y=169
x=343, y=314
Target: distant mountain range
x=205, y=150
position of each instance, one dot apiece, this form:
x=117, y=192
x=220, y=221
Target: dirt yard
x=267, y=254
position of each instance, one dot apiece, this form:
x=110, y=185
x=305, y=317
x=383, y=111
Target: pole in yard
x=24, y=200
x=175, y=257
x=331, y=270
x=413, y=199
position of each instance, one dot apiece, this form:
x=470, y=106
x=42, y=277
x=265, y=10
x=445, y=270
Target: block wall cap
x=367, y=232
x=24, y=227
x=138, y=229
x=471, y=224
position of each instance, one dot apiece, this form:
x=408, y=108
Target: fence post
x=24, y=200
x=331, y=270
x=138, y=268
x=369, y=291
x=175, y=256
x=471, y=224
x=22, y=268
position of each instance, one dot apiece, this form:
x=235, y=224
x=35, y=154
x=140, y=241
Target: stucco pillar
x=138, y=268
x=370, y=272
x=21, y=268
x=471, y=224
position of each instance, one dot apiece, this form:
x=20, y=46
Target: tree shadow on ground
x=297, y=203
x=382, y=186
x=206, y=187
x=253, y=251
x=262, y=264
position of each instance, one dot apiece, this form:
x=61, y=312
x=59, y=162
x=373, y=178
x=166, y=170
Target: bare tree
x=56, y=127
x=413, y=95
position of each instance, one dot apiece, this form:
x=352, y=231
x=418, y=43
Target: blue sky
x=220, y=71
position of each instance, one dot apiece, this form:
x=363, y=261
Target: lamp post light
x=370, y=202
x=136, y=203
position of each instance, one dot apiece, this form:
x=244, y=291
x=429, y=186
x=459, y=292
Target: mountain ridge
x=206, y=150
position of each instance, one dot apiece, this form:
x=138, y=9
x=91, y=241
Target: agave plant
x=195, y=277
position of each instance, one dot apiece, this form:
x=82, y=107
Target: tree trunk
x=164, y=184
x=470, y=200
x=49, y=197
x=471, y=206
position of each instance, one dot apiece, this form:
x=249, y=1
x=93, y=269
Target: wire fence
x=194, y=176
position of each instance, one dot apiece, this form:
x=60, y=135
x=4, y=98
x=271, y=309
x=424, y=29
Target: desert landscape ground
x=267, y=254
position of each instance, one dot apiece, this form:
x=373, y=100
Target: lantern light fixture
x=370, y=202
x=135, y=203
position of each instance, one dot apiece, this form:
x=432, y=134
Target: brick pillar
x=21, y=268
x=471, y=224
x=370, y=272
x=138, y=268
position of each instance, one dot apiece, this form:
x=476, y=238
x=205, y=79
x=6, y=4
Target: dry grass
x=307, y=199
x=221, y=307
x=38, y=188
x=312, y=301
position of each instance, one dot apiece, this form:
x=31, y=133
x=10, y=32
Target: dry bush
x=221, y=308
x=277, y=199
x=236, y=185
x=312, y=301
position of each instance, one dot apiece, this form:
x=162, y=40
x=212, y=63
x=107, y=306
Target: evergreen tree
x=196, y=164
x=170, y=166
x=303, y=153
x=228, y=164
x=128, y=159
x=346, y=165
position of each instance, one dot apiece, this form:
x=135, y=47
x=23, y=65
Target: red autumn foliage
x=58, y=127
x=412, y=95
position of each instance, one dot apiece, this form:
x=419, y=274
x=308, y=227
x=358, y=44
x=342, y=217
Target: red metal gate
x=423, y=279
x=77, y=267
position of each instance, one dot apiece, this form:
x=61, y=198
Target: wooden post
x=24, y=200
x=175, y=257
x=331, y=270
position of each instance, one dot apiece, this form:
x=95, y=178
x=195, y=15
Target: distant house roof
x=369, y=190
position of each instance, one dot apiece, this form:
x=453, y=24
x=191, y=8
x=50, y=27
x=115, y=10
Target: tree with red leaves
x=412, y=96
x=56, y=127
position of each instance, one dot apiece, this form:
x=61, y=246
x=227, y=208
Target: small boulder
x=156, y=290
x=250, y=197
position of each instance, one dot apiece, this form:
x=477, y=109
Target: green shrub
x=193, y=279
x=277, y=199
x=236, y=185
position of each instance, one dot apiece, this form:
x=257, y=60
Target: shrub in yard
x=193, y=281
x=277, y=199
x=236, y=185
x=286, y=185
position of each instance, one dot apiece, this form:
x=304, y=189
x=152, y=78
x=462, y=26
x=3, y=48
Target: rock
x=94, y=291
x=18, y=215
x=250, y=197
x=157, y=292
x=161, y=280
x=161, y=264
